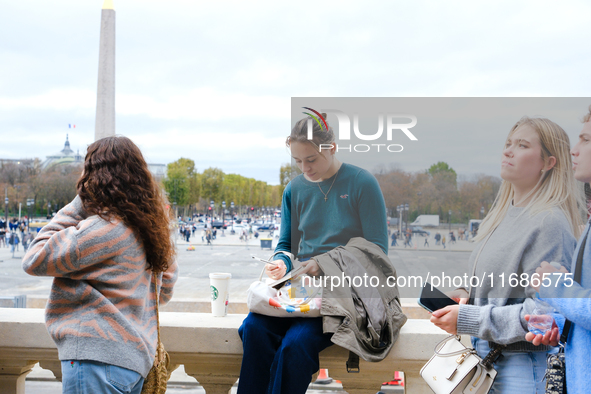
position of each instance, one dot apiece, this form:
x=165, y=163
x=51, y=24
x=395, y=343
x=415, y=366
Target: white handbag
x=456, y=369
x=297, y=297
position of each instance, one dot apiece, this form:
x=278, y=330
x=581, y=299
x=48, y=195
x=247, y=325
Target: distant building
x=158, y=170
x=65, y=157
x=15, y=169
x=19, y=162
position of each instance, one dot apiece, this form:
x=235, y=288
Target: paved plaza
x=229, y=254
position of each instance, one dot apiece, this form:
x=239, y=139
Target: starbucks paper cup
x=219, y=286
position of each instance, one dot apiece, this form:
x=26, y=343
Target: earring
x=542, y=171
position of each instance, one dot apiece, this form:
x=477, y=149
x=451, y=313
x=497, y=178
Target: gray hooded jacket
x=365, y=317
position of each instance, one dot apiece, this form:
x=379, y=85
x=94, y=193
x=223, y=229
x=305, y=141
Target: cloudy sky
x=213, y=81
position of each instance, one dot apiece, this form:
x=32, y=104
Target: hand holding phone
x=459, y=295
x=433, y=299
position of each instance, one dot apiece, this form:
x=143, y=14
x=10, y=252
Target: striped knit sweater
x=102, y=303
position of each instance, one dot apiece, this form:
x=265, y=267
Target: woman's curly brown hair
x=116, y=182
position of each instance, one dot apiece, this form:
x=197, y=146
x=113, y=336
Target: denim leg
x=261, y=337
x=297, y=358
x=521, y=373
x=91, y=377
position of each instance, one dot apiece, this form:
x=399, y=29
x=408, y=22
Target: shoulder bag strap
x=157, y=311
x=440, y=345
x=495, y=348
x=476, y=261
x=353, y=363
x=577, y=278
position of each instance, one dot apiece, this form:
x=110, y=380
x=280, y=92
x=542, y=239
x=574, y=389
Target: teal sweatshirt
x=311, y=226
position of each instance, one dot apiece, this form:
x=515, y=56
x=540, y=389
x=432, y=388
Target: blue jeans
x=92, y=377
x=517, y=372
x=280, y=354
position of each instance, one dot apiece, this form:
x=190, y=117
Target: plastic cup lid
x=220, y=275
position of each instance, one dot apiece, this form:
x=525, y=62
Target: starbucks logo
x=214, y=293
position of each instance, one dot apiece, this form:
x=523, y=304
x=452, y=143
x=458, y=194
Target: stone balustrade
x=211, y=352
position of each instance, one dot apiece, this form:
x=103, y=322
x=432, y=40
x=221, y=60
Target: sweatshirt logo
x=344, y=196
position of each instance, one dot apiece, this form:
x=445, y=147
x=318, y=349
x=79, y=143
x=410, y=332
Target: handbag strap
x=476, y=261
x=157, y=310
x=439, y=346
x=495, y=348
x=577, y=278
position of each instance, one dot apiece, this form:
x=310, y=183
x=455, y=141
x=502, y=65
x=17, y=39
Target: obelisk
x=105, y=95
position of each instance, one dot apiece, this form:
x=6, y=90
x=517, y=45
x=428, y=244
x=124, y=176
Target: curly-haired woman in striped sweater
x=102, y=249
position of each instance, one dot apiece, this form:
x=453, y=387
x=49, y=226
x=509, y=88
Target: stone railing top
x=185, y=333
x=211, y=351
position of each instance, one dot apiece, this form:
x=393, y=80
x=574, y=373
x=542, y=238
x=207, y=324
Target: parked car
x=419, y=231
x=218, y=224
x=267, y=227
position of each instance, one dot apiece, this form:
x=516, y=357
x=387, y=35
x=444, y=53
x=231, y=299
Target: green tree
x=276, y=195
x=444, y=179
x=286, y=173
x=231, y=188
x=396, y=186
x=183, y=165
x=444, y=172
x=194, y=188
x=179, y=175
x=212, y=182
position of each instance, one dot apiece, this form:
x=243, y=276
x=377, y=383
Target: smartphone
x=433, y=299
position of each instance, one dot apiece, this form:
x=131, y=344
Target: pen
x=264, y=261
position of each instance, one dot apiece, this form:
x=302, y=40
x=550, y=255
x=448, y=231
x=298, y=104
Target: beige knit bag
x=155, y=382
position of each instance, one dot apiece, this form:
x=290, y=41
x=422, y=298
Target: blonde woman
x=536, y=217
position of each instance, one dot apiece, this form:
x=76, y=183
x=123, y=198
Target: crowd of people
x=209, y=233
x=14, y=234
x=408, y=236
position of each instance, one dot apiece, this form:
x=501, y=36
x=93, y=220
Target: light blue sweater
x=574, y=303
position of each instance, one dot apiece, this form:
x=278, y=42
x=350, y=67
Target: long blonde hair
x=587, y=116
x=557, y=187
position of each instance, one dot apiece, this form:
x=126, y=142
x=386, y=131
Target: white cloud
x=198, y=104
x=56, y=99
x=205, y=104
x=212, y=81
